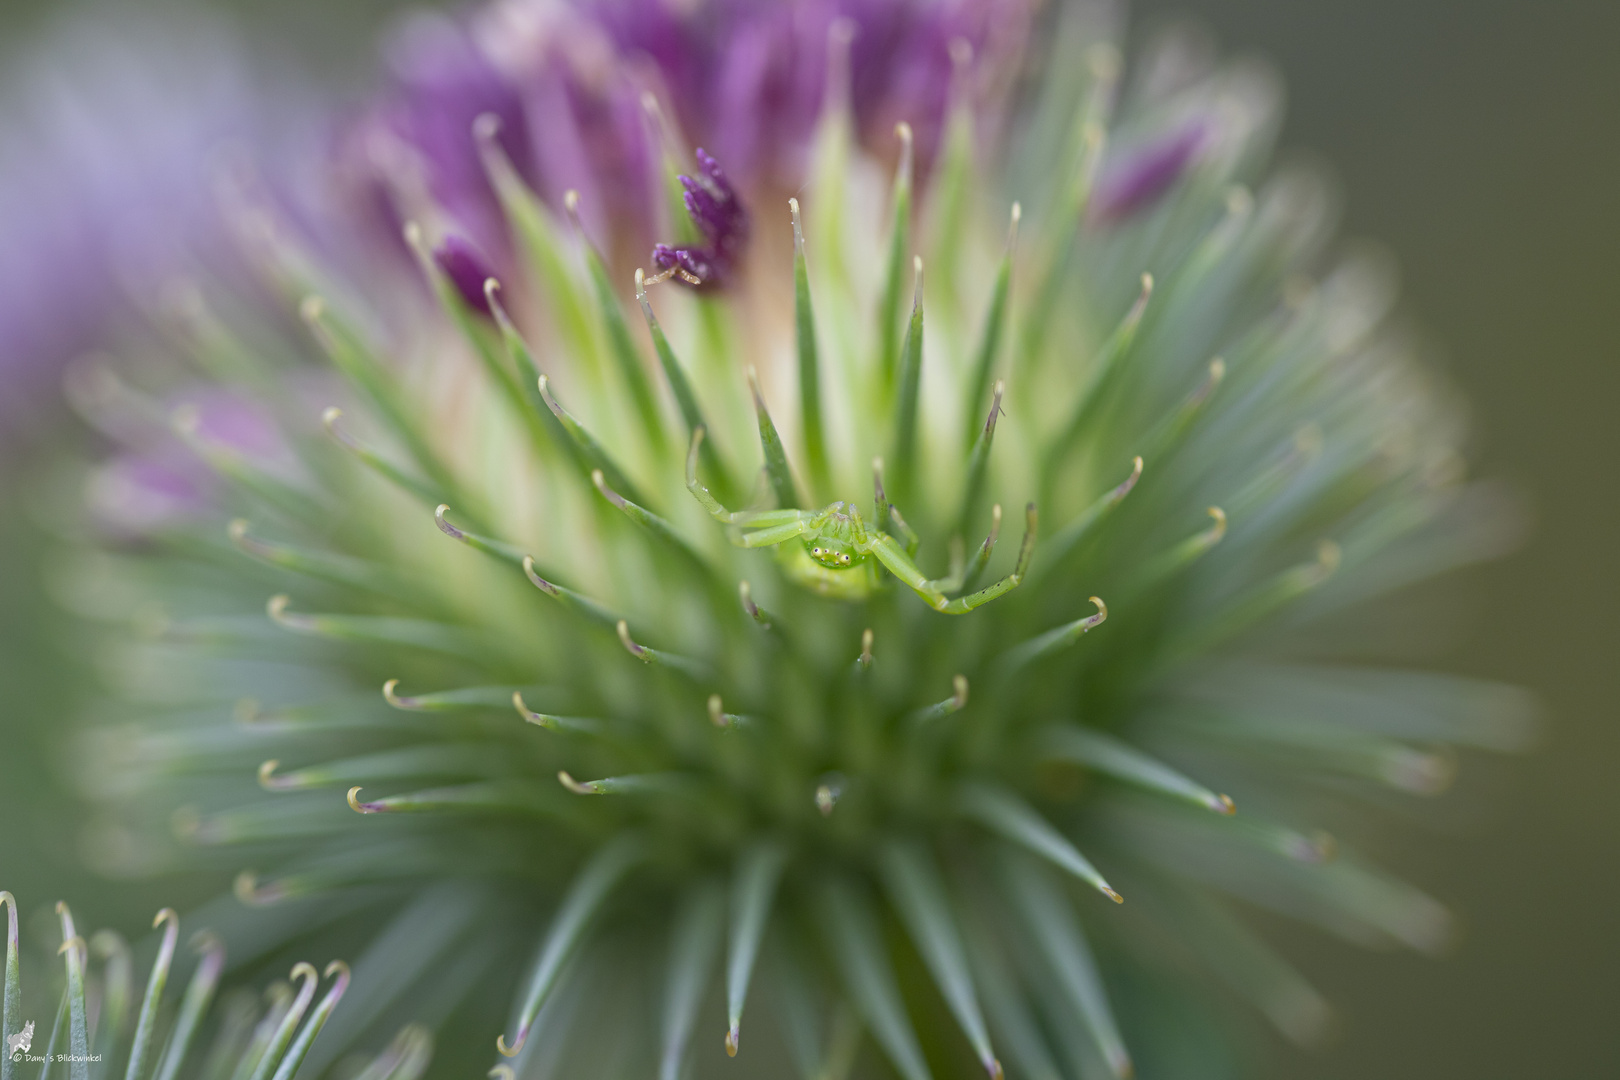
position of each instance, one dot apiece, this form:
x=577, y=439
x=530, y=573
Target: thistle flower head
x=630, y=664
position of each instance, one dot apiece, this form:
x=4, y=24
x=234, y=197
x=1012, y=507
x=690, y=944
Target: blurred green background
x=1480, y=139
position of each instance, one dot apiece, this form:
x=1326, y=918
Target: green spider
x=835, y=541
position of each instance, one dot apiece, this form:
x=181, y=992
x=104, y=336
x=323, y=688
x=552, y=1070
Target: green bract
x=634, y=770
x=105, y=1026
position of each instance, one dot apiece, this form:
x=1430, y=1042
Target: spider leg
x=887, y=551
x=746, y=518
x=781, y=533
x=964, y=604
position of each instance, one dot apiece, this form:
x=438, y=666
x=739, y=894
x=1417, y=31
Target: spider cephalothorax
x=835, y=540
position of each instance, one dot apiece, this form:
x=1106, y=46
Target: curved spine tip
x=542, y=720
x=1102, y=610
x=502, y=1072
x=267, y=772
x=574, y=786
x=390, y=696
x=338, y=968
x=959, y=699
x=624, y=639
x=354, y=801
x=237, y=529
x=277, y=606
x=535, y=579
x=330, y=415
x=717, y=714
x=1328, y=557
x=444, y=526
x=600, y=483
x=511, y=1051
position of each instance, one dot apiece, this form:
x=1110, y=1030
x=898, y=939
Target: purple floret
x=719, y=215
x=1144, y=175
x=467, y=270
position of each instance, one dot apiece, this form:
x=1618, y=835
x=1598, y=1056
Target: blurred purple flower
x=467, y=270
x=1137, y=178
x=159, y=481
x=107, y=153
x=416, y=147
x=720, y=217
x=749, y=80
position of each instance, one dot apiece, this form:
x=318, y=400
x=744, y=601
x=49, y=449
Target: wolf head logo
x=17, y=1044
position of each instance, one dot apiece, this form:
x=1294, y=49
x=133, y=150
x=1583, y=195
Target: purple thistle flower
x=109, y=145
x=418, y=144
x=1142, y=175
x=159, y=481
x=136, y=496
x=750, y=81
x=467, y=270
x=720, y=217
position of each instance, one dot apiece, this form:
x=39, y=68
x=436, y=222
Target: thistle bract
x=107, y=1023
x=631, y=642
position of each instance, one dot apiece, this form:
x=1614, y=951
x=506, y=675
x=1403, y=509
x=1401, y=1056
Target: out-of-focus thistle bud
x=467, y=271
x=661, y=646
